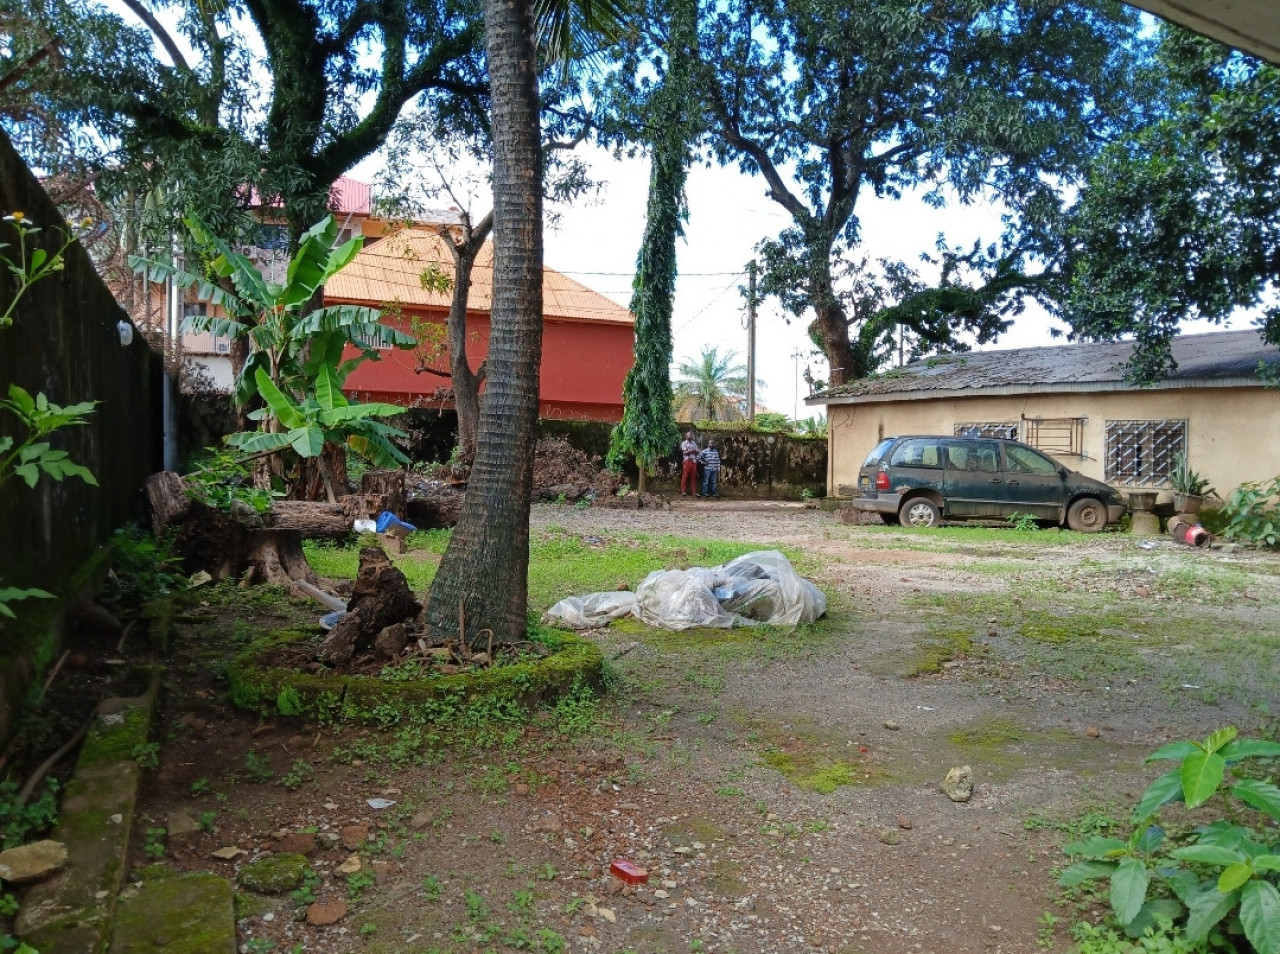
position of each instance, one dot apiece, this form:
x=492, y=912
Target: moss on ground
x=334, y=697
x=274, y=874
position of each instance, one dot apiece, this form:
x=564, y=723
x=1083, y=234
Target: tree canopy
x=711, y=387
x=1180, y=220
x=830, y=101
x=201, y=112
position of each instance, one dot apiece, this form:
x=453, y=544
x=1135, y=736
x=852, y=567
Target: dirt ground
x=782, y=794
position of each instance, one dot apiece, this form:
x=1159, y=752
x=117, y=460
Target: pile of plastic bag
x=759, y=587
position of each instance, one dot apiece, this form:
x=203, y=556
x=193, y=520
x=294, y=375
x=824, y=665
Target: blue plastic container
x=389, y=521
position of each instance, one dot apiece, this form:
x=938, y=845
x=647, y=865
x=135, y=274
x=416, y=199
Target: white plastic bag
x=592, y=611
x=676, y=599
x=760, y=587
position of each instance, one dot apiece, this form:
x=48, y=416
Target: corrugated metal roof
x=347, y=196
x=1216, y=357
x=390, y=270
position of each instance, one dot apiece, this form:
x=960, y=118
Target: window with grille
x=1140, y=453
x=369, y=341
x=1060, y=436
x=1007, y=429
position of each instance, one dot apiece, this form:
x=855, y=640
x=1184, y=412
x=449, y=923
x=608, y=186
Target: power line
x=566, y=271
x=704, y=308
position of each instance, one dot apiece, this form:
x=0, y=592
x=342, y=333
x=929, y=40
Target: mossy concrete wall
x=64, y=342
x=757, y=465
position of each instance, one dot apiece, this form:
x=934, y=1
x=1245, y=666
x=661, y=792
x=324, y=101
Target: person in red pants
x=689, y=450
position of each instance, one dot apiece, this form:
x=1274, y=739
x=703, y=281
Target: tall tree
x=830, y=101
x=1181, y=219
x=648, y=429
x=483, y=580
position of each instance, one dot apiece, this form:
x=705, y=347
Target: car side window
x=917, y=453
x=1023, y=460
x=974, y=456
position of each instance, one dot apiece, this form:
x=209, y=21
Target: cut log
x=223, y=547
x=311, y=519
x=435, y=508
x=167, y=500
x=381, y=598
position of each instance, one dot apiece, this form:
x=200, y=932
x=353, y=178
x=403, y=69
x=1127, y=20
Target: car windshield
x=877, y=452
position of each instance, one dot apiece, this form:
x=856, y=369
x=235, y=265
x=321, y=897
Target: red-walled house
x=588, y=341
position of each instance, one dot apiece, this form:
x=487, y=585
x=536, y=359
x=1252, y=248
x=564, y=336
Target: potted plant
x=1189, y=488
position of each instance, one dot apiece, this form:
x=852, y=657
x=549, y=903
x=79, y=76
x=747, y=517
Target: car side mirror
x=1062, y=472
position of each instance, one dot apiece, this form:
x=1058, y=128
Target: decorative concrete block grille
x=1063, y=436
x=1140, y=453
x=1007, y=429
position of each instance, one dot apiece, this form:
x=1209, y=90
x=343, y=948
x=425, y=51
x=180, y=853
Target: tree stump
x=381, y=598
x=167, y=500
x=387, y=484
x=223, y=547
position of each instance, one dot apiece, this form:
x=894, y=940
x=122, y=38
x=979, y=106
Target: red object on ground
x=628, y=871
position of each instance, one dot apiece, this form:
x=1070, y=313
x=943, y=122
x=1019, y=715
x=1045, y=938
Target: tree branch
x=160, y=33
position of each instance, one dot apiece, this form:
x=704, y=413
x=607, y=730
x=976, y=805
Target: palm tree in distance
x=711, y=388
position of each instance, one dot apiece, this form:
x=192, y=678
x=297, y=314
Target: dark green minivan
x=922, y=480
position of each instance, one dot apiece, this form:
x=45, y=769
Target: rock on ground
x=28, y=864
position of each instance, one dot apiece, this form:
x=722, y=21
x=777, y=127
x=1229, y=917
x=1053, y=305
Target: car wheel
x=1087, y=515
x=920, y=512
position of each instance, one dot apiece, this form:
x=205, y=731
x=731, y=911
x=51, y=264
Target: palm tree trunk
x=484, y=576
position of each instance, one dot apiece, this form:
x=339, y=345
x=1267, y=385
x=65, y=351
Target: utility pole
x=751, y=341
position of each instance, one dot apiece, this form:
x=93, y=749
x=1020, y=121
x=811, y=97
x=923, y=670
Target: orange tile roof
x=389, y=270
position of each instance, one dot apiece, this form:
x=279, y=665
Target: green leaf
x=329, y=390
x=1201, y=776
x=1206, y=909
x=286, y=412
x=1150, y=839
x=1174, y=750
x=1266, y=863
x=257, y=442
x=25, y=403
x=1083, y=871
x=1220, y=738
x=1234, y=876
x=1263, y=796
x=1250, y=748
x=1260, y=915
x=1129, y=889
x=1208, y=855
x=307, y=441
x=1098, y=847
x=1165, y=789
x=1151, y=913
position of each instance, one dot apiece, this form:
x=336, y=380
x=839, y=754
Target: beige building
x=1071, y=401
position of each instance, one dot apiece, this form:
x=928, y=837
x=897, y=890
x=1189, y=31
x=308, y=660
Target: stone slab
x=177, y=914
x=71, y=913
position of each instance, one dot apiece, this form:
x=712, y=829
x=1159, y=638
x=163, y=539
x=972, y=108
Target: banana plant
x=1223, y=876
x=295, y=363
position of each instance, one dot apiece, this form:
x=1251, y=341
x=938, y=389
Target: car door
x=974, y=485
x=1033, y=482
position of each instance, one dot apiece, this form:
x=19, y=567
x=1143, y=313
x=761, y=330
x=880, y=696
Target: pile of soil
x=559, y=468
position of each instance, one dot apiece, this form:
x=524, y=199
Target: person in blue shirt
x=710, y=460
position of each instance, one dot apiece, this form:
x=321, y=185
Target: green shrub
x=1253, y=513
x=1217, y=881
